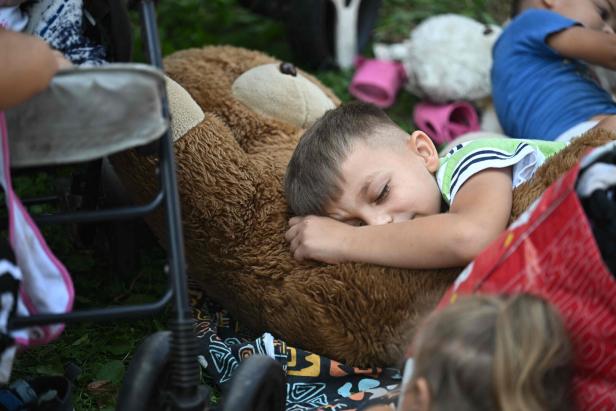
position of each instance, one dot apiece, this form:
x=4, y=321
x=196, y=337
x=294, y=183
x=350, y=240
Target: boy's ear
x=423, y=146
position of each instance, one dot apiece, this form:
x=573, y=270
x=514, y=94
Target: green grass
x=399, y=16
x=103, y=350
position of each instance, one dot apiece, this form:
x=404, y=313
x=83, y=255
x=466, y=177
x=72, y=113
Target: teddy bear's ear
x=185, y=112
x=281, y=92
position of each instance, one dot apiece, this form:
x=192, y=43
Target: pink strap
x=46, y=285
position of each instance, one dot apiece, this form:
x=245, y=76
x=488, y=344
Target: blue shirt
x=536, y=92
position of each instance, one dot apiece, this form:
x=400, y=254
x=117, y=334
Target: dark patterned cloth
x=313, y=382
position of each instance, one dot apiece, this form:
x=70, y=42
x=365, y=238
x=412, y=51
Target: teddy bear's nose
x=288, y=68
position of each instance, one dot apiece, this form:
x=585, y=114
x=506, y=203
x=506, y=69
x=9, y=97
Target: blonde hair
x=508, y=353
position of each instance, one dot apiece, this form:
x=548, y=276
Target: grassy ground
x=104, y=350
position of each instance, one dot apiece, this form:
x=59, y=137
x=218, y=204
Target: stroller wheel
x=145, y=375
x=258, y=385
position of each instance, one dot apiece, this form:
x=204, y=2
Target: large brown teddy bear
x=230, y=168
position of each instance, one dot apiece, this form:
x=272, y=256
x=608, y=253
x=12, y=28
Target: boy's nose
x=378, y=219
x=608, y=29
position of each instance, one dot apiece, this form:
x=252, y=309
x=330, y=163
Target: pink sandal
x=444, y=122
x=377, y=81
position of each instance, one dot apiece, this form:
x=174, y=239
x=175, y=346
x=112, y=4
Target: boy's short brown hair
x=313, y=179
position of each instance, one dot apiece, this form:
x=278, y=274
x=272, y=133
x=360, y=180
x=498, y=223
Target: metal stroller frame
x=175, y=352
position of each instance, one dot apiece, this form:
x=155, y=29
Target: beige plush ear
x=287, y=97
x=185, y=112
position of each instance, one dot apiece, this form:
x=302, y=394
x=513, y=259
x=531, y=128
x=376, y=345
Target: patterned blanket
x=313, y=382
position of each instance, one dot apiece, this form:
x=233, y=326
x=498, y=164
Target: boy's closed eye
x=604, y=13
x=354, y=222
x=383, y=193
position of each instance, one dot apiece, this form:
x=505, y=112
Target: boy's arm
x=479, y=214
x=592, y=46
x=27, y=64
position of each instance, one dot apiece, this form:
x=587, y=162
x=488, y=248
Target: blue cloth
x=536, y=92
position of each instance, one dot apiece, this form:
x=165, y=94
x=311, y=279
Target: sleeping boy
x=364, y=190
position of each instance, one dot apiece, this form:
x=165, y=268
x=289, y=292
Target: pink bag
x=46, y=286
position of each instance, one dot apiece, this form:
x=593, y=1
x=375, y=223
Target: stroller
x=86, y=114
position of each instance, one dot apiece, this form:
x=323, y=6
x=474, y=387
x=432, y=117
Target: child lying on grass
x=366, y=191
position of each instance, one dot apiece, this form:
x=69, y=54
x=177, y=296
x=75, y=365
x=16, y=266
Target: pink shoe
x=444, y=122
x=377, y=81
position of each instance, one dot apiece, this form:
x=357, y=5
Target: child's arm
x=478, y=215
x=592, y=46
x=27, y=64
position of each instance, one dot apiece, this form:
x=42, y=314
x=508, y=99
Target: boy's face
x=388, y=184
x=593, y=14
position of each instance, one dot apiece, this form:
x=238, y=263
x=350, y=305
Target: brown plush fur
x=230, y=169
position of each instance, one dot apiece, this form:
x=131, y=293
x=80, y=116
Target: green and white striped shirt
x=467, y=159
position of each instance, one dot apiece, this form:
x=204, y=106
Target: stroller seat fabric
x=87, y=113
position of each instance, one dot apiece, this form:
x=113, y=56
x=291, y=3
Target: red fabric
x=550, y=251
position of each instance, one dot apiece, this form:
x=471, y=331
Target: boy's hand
x=318, y=238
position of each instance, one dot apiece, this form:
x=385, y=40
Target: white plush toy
x=448, y=57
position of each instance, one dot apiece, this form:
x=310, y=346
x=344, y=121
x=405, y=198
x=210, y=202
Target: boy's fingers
x=296, y=250
x=294, y=245
x=297, y=254
x=290, y=234
x=295, y=220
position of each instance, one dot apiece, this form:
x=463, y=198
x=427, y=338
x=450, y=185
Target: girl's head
x=508, y=353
